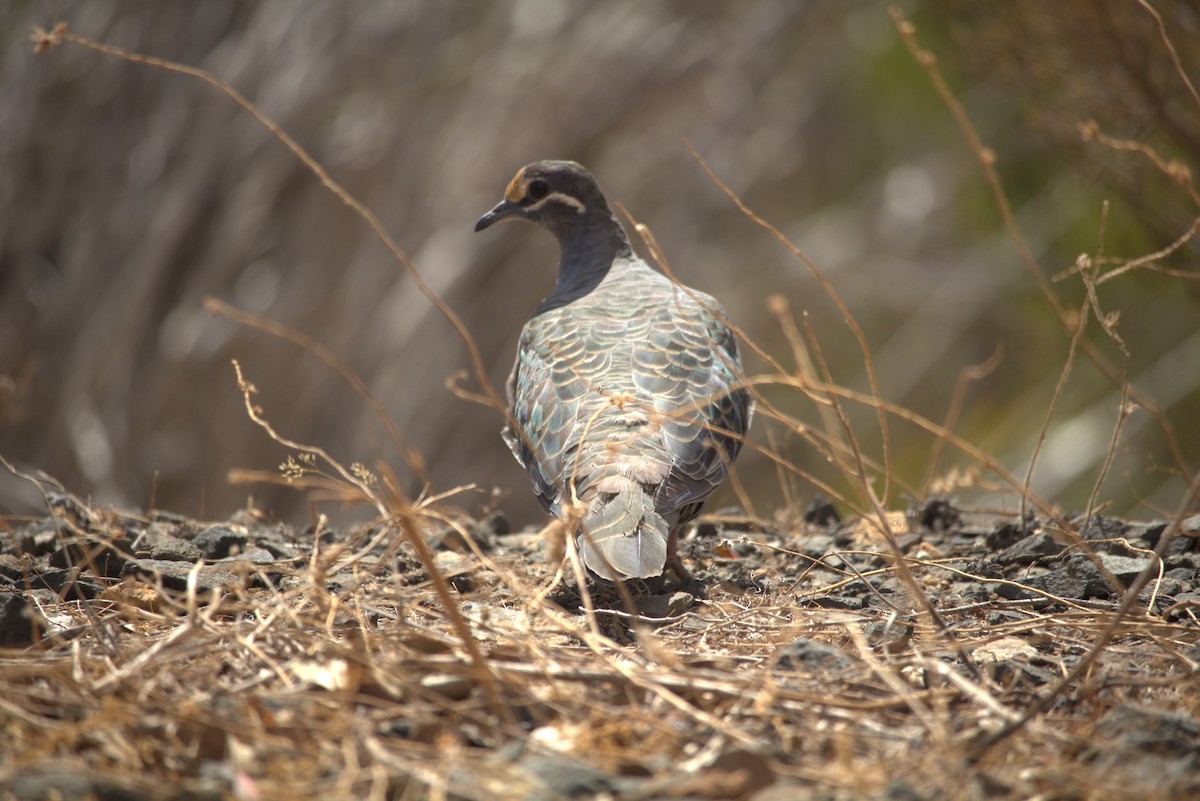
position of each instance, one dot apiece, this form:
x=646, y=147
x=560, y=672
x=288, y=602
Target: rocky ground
x=148, y=655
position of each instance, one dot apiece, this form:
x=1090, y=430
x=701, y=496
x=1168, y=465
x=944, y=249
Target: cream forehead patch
x=515, y=192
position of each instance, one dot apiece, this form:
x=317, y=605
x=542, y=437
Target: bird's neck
x=588, y=250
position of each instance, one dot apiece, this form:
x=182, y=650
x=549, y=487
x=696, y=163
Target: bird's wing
x=689, y=364
x=547, y=382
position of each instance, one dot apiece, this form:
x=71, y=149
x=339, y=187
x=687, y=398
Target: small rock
x=1187, y=575
x=1003, y=649
x=1004, y=536
x=664, y=605
x=450, y=563
x=16, y=622
x=253, y=555
x=817, y=544
x=1030, y=550
x=487, y=530
x=1125, y=568
x=937, y=514
x=821, y=512
x=806, y=654
x=1104, y=528
x=838, y=602
x=70, y=584
x=174, y=575
x=1148, y=533
x=158, y=542
x=1156, y=731
x=99, y=557
x=220, y=540
x=1182, y=560
x=890, y=637
x=37, y=539
x=13, y=567
x=1077, y=579
x=1185, y=601
x=1000, y=617
x=984, y=567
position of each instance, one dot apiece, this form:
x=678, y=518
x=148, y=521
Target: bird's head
x=558, y=195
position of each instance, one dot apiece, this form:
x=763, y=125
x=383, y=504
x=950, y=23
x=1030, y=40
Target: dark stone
x=821, y=512
x=1148, y=533
x=1014, y=592
x=1156, y=731
x=1030, y=550
x=16, y=622
x=1000, y=617
x=1184, y=560
x=1004, y=536
x=937, y=514
x=461, y=583
x=488, y=529
x=68, y=508
x=100, y=557
x=1183, y=574
x=816, y=545
x=890, y=637
x=974, y=531
x=13, y=567
x=1187, y=600
x=973, y=594
x=838, y=602
x=37, y=539
x=254, y=555
x=1164, y=595
x=984, y=567
x=174, y=575
x=1104, y=528
x=1124, y=568
x=220, y=541
x=806, y=654
x=70, y=584
x=159, y=542
x=278, y=549
x=664, y=605
x=1077, y=579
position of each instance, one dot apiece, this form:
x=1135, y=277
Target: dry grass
x=354, y=671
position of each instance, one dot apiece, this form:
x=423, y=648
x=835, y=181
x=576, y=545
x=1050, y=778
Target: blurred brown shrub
x=127, y=194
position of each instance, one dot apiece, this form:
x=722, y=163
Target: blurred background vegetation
x=128, y=194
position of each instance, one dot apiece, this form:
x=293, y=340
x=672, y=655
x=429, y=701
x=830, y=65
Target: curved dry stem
x=825, y=283
x=411, y=456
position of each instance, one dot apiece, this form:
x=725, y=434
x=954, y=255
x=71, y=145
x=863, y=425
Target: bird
x=627, y=403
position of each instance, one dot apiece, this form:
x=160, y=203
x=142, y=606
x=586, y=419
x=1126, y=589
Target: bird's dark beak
x=502, y=211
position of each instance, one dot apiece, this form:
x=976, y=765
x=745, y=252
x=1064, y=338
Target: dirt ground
x=151, y=656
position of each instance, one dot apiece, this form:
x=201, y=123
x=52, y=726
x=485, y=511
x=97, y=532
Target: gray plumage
x=623, y=395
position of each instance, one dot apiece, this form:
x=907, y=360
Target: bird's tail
x=622, y=535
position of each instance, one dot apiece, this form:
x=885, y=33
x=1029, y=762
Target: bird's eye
x=537, y=189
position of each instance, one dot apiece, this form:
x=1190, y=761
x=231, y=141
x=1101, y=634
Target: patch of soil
x=155, y=656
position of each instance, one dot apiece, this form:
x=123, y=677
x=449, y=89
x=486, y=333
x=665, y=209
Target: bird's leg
x=674, y=561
